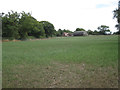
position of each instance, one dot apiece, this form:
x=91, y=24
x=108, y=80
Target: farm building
x=67, y=34
x=80, y=33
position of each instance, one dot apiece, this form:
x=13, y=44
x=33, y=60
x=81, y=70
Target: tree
x=90, y=32
x=117, y=16
x=49, y=28
x=95, y=32
x=26, y=25
x=59, y=32
x=80, y=29
x=118, y=32
x=21, y=25
x=1, y=14
x=10, y=25
x=102, y=29
x=67, y=31
x=38, y=30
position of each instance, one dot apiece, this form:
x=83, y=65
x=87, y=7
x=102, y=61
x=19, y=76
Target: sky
x=67, y=14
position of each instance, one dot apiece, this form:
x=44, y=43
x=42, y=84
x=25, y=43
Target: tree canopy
x=21, y=25
x=117, y=16
x=10, y=25
x=49, y=28
x=60, y=32
x=80, y=29
x=103, y=28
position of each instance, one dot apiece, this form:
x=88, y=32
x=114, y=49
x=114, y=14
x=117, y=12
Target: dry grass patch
x=60, y=75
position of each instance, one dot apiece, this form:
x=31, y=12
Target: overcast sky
x=67, y=14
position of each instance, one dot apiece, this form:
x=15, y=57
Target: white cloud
x=67, y=14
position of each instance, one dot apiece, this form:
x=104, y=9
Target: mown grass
x=27, y=63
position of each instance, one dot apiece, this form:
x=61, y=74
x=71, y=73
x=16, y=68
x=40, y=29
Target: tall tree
x=1, y=25
x=117, y=16
x=26, y=25
x=102, y=29
x=21, y=25
x=38, y=30
x=49, y=28
x=10, y=25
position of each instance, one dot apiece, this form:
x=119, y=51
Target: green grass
x=0, y=65
x=25, y=63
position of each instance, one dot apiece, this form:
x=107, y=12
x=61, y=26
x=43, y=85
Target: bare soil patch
x=60, y=75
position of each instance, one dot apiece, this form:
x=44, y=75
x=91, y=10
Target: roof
x=79, y=33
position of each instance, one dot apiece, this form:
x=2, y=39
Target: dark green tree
x=49, y=28
x=21, y=25
x=59, y=32
x=10, y=25
x=1, y=14
x=80, y=29
x=38, y=30
x=102, y=29
x=67, y=31
x=95, y=32
x=26, y=24
x=116, y=33
x=90, y=32
x=117, y=16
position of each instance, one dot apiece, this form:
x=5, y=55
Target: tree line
x=21, y=25
x=101, y=30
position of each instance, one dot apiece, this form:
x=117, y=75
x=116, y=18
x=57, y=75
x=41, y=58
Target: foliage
x=117, y=13
x=37, y=30
x=118, y=32
x=21, y=25
x=102, y=29
x=80, y=29
x=26, y=25
x=10, y=25
x=67, y=31
x=96, y=32
x=0, y=28
x=90, y=32
x=60, y=32
x=49, y=28
x=117, y=16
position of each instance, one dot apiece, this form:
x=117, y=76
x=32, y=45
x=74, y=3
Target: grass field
x=67, y=62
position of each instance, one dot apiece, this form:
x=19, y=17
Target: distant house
x=67, y=34
x=80, y=33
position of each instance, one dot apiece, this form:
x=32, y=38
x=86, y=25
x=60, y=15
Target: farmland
x=63, y=62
